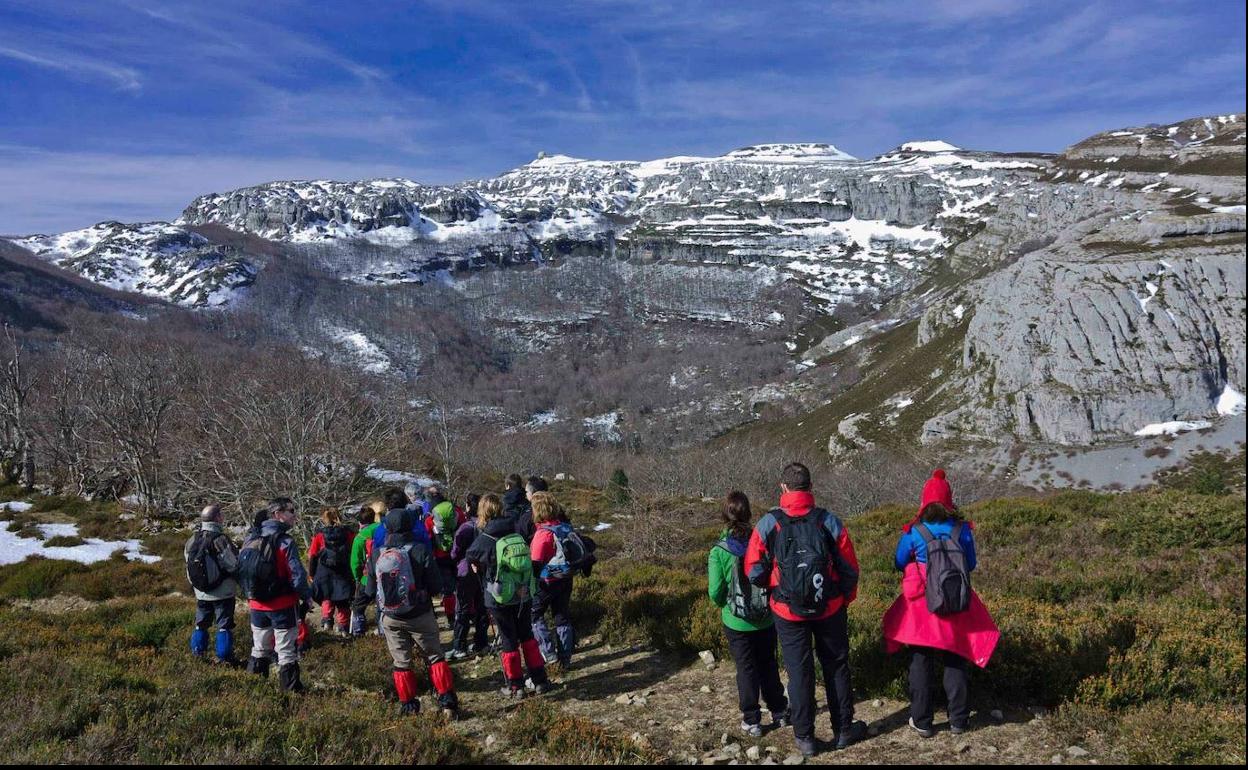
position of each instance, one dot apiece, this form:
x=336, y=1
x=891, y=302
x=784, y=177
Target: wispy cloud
x=124, y=78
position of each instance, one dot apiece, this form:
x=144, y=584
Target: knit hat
x=935, y=490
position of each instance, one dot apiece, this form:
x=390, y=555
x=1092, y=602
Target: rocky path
x=688, y=714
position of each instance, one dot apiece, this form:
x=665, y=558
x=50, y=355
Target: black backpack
x=745, y=600
x=803, y=550
x=202, y=567
x=337, y=553
x=948, y=580
x=257, y=568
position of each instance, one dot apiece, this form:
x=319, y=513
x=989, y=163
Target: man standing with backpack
x=275, y=582
x=500, y=557
x=747, y=620
x=211, y=562
x=405, y=579
x=803, y=555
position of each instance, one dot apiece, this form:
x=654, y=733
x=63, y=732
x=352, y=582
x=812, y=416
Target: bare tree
x=17, y=459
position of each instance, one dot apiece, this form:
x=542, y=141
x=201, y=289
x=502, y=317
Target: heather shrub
x=569, y=739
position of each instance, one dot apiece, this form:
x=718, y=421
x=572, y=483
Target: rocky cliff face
x=1131, y=314
x=1067, y=298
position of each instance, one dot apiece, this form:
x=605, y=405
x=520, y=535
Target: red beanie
x=935, y=490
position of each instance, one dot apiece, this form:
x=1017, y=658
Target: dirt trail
x=683, y=712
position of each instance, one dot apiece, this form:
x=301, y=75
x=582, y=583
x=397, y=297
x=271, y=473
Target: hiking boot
x=327, y=625
x=754, y=731
x=845, y=738
x=512, y=692
x=342, y=631
x=454, y=655
x=958, y=729
x=288, y=675
x=781, y=719
x=926, y=732
x=543, y=688
x=808, y=747
x=258, y=666
x=412, y=707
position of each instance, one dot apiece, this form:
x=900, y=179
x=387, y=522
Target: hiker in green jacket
x=367, y=517
x=747, y=621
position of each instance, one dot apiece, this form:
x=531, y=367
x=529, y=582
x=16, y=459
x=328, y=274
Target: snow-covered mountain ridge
x=1088, y=294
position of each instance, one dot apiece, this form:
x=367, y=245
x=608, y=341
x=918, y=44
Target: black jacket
x=482, y=553
x=516, y=507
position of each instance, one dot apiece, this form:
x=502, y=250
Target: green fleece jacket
x=358, y=556
x=719, y=566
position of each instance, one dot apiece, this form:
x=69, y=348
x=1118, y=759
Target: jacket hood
x=399, y=523
x=211, y=526
x=797, y=503
x=273, y=527
x=734, y=546
x=514, y=500
x=499, y=527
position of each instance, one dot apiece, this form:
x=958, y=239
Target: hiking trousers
x=956, y=682
x=403, y=634
x=360, y=603
x=215, y=612
x=519, y=648
x=471, y=617
x=557, y=597
x=754, y=652
x=276, y=630
x=801, y=642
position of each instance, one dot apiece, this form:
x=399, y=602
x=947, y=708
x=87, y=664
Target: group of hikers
x=505, y=561
x=501, y=561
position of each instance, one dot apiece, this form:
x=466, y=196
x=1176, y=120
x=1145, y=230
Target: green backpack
x=513, y=571
x=745, y=600
x=443, y=525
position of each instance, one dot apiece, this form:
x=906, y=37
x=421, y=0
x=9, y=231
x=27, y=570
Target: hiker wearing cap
x=211, y=564
x=747, y=620
x=500, y=558
x=803, y=556
x=405, y=579
x=938, y=616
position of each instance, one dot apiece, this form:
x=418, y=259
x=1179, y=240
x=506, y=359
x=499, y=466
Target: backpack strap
x=956, y=535
x=924, y=532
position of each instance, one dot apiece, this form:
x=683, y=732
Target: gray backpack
x=398, y=593
x=948, y=580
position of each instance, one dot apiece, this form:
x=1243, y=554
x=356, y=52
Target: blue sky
x=127, y=110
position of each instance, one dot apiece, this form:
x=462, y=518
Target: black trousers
x=956, y=686
x=470, y=614
x=801, y=642
x=754, y=652
x=514, y=624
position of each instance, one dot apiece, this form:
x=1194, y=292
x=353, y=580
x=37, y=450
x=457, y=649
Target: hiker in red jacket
x=329, y=563
x=955, y=635
x=803, y=555
x=276, y=585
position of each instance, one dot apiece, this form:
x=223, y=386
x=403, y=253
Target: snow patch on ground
x=1172, y=428
x=1230, y=402
x=928, y=146
x=15, y=549
x=388, y=476
x=366, y=353
x=17, y=506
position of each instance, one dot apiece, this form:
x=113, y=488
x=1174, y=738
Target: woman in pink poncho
x=958, y=638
